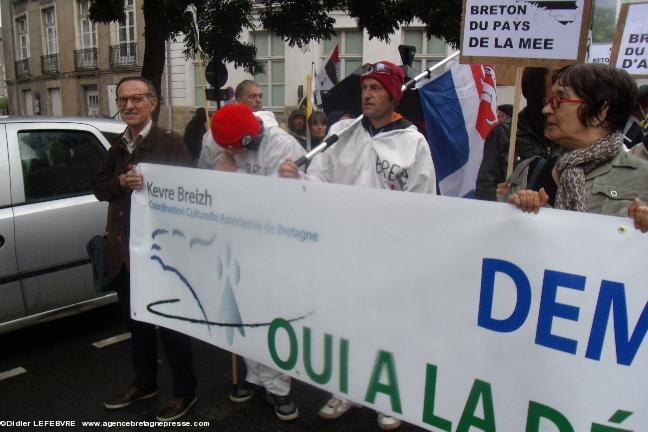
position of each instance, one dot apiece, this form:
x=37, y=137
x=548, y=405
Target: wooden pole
x=234, y=370
x=514, y=120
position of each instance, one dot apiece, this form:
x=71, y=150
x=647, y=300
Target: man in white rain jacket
x=253, y=143
x=382, y=151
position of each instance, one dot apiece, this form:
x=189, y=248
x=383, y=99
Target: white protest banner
x=452, y=314
x=630, y=49
x=526, y=32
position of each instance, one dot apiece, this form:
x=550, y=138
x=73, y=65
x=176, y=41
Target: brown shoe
x=125, y=399
x=176, y=408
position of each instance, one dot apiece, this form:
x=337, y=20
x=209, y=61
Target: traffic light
x=219, y=94
x=216, y=76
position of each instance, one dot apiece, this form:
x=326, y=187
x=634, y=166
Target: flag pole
x=191, y=9
x=329, y=141
x=429, y=70
x=514, y=120
x=309, y=103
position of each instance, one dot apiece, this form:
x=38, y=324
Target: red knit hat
x=234, y=126
x=389, y=75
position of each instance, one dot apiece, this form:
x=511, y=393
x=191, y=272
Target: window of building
x=429, y=51
x=126, y=33
x=270, y=52
x=126, y=27
x=29, y=102
x=350, y=50
x=58, y=164
x=56, y=107
x=92, y=102
x=88, y=28
x=49, y=31
x=22, y=38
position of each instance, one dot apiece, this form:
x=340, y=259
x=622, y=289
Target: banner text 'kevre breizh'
x=452, y=314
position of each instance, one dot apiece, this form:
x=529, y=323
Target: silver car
x=47, y=215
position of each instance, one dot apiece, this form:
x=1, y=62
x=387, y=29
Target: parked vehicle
x=47, y=215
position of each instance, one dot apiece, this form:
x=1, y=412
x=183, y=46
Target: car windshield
x=110, y=136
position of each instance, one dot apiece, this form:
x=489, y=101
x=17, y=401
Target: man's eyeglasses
x=556, y=101
x=370, y=68
x=135, y=99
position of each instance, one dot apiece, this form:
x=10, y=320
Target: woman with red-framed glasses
x=593, y=173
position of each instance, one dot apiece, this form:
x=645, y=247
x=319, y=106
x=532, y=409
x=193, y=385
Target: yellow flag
x=309, y=95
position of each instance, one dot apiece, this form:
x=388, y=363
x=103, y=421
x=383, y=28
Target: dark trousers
x=177, y=347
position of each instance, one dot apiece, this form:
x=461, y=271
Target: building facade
x=58, y=62
x=4, y=102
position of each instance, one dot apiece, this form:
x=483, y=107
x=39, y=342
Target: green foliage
x=298, y=21
x=221, y=22
x=603, y=25
x=106, y=11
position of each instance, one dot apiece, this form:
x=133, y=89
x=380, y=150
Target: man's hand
x=501, y=190
x=226, y=162
x=288, y=169
x=132, y=179
x=639, y=214
x=529, y=201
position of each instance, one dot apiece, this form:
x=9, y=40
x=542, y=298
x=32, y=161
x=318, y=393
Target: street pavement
x=67, y=379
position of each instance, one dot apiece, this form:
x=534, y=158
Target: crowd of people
x=572, y=153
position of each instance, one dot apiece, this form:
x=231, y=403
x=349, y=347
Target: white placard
x=633, y=50
x=523, y=29
x=446, y=312
x=599, y=53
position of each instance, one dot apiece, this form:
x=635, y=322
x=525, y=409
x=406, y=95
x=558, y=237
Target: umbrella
x=346, y=96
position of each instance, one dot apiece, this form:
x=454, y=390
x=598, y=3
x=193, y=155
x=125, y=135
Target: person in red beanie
x=253, y=143
x=382, y=151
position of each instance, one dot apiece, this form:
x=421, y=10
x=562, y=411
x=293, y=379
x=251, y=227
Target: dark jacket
x=492, y=171
x=193, y=136
x=299, y=135
x=160, y=146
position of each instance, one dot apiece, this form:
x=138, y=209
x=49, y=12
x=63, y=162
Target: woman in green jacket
x=592, y=172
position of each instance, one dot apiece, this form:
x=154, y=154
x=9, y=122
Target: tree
x=297, y=21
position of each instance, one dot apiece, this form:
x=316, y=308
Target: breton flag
x=326, y=78
x=460, y=108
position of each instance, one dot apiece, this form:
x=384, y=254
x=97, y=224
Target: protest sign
x=599, y=53
x=451, y=314
x=525, y=32
x=630, y=49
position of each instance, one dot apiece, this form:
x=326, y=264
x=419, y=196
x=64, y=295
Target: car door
x=11, y=300
x=55, y=212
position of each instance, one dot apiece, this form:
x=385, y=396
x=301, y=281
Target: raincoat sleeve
x=422, y=177
x=210, y=152
x=282, y=147
x=322, y=165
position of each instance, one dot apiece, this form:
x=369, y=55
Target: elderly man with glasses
x=383, y=150
x=142, y=141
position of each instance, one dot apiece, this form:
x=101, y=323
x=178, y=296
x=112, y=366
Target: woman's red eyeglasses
x=556, y=101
